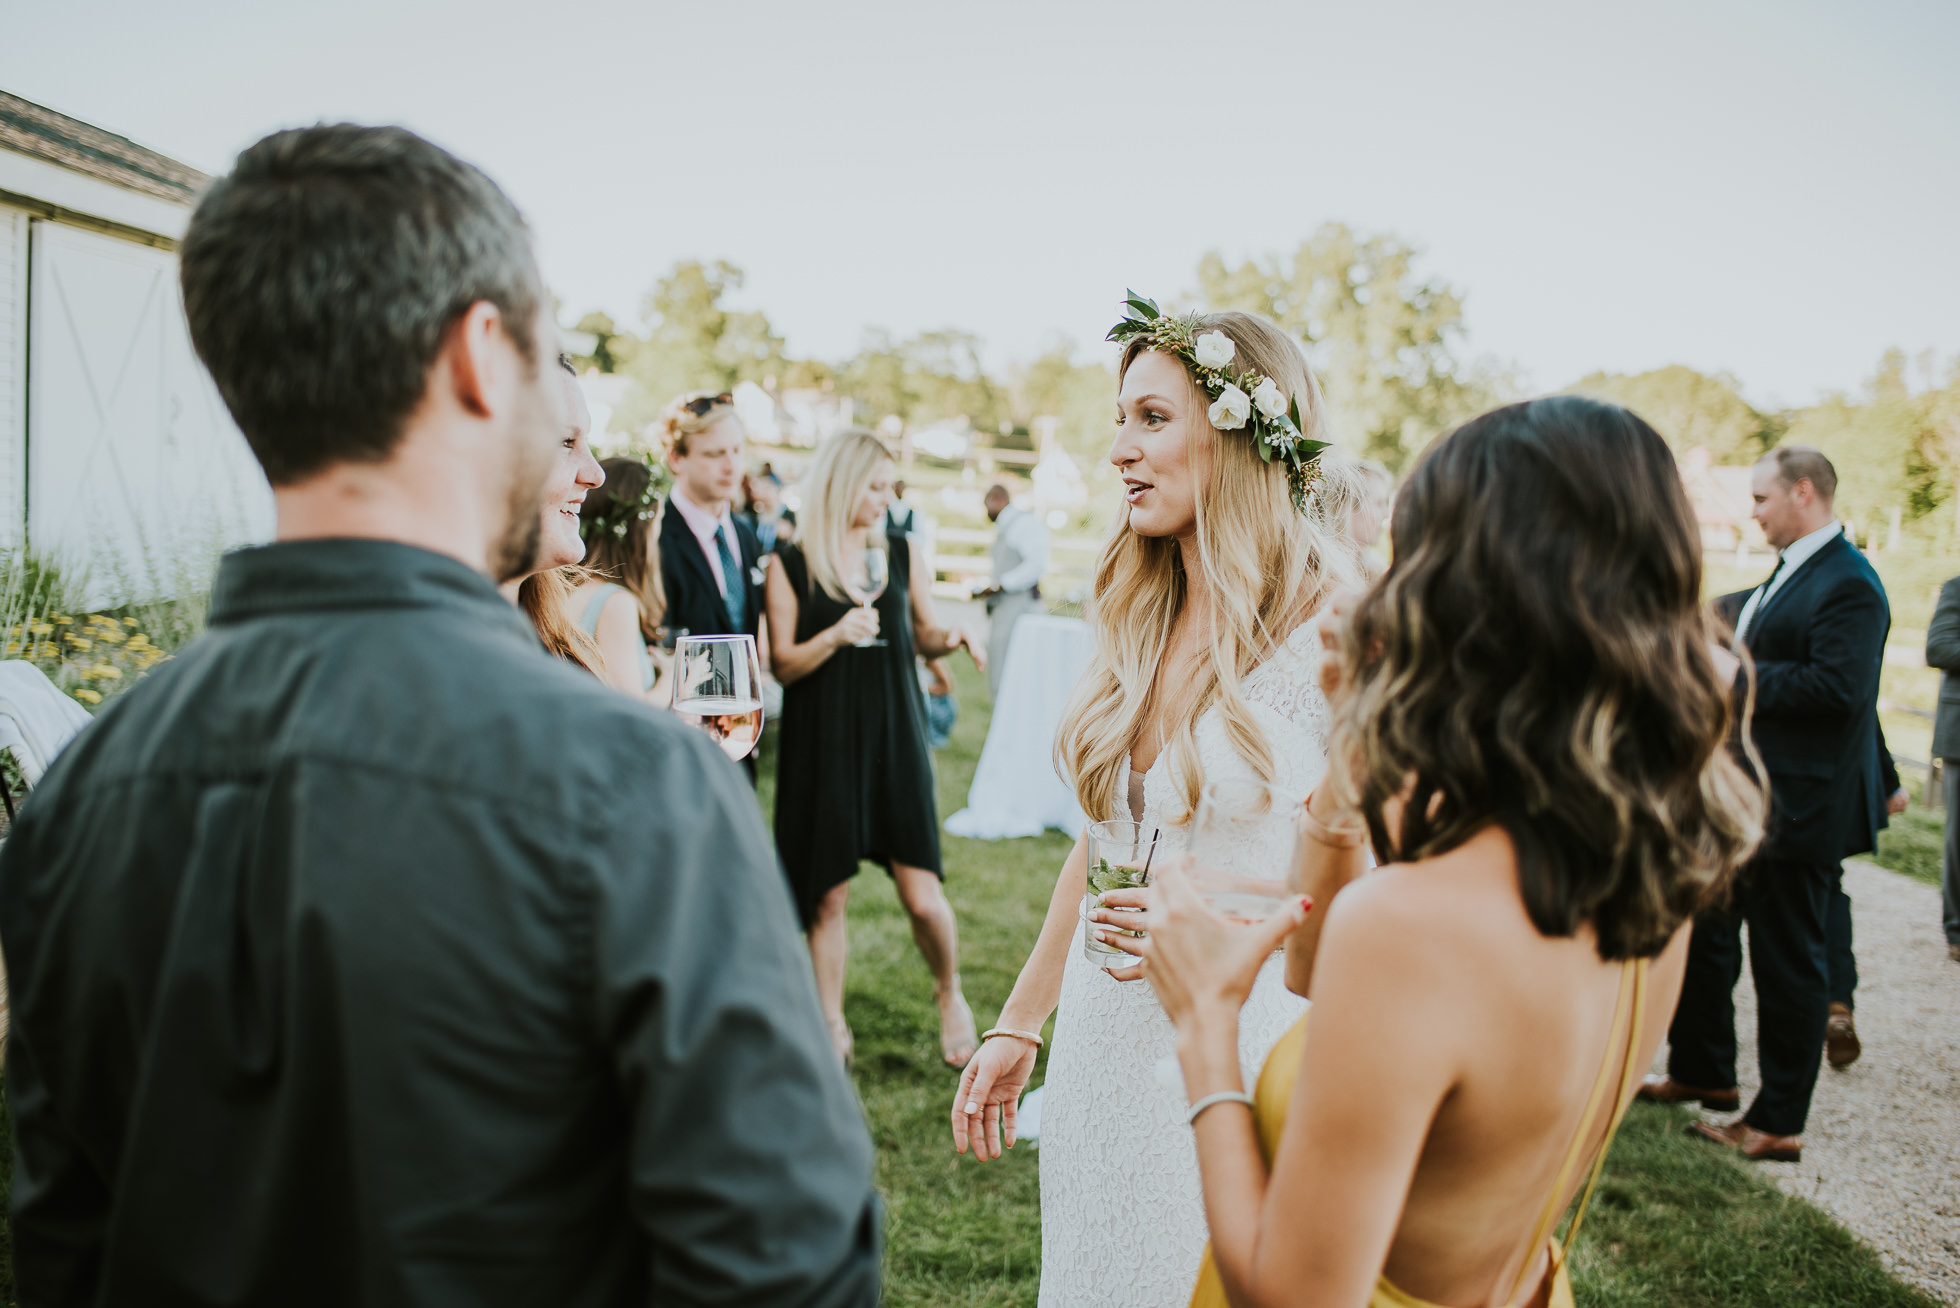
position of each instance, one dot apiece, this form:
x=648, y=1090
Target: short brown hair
x=1537, y=658
x=321, y=274
x=1795, y=463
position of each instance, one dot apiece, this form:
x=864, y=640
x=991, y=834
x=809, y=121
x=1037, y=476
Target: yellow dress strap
x=1633, y=984
x=1627, y=1079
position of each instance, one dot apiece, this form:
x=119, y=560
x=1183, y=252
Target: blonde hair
x=543, y=597
x=836, y=482
x=1266, y=565
x=690, y=414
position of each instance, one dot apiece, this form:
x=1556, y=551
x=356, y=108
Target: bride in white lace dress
x=1207, y=669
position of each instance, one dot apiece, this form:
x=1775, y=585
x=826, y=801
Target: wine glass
x=718, y=688
x=1244, y=841
x=873, y=576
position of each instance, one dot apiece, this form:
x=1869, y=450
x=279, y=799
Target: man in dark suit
x=1816, y=632
x=710, y=560
x=1943, y=652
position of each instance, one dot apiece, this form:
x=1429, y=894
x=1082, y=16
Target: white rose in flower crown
x=1270, y=398
x=1214, y=350
x=1232, y=407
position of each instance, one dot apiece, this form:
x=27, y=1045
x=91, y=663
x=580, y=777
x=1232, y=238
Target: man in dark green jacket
x=364, y=954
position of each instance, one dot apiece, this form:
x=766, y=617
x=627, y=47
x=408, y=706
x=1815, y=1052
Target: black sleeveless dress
x=853, y=774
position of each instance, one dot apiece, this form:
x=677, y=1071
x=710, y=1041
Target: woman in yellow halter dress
x=1531, y=715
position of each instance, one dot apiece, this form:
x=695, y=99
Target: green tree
x=694, y=341
x=1383, y=338
x=1877, y=446
x=1081, y=397
x=924, y=379
x=610, y=348
x=1689, y=408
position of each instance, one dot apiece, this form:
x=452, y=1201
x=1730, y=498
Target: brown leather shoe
x=1841, y=1047
x=1953, y=952
x=1757, y=1146
x=1667, y=1090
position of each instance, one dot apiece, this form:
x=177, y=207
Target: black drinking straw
x=1154, y=833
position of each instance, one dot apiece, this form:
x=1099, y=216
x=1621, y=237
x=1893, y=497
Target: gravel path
x=1882, y=1148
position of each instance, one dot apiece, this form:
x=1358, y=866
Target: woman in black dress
x=854, y=775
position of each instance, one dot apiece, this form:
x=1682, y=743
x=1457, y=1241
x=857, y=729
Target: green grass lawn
x=1913, y=844
x=1676, y=1224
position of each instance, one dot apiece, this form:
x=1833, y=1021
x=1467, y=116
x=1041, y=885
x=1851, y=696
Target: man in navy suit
x=710, y=558
x=1816, y=632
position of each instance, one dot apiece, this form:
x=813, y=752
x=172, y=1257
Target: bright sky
x=1768, y=188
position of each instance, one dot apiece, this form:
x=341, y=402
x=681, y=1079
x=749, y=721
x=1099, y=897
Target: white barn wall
x=136, y=476
x=13, y=374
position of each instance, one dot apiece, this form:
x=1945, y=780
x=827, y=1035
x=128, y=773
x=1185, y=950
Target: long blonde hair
x=1267, y=567
x=836, y=482
x=544, y=596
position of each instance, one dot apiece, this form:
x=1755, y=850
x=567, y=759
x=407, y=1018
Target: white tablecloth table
x=1016, y=791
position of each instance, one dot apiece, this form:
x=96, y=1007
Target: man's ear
x=467, y=362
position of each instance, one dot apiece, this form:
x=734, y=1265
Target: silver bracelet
x=1222, y=1097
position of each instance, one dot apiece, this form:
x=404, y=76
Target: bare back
x=1448, y=1063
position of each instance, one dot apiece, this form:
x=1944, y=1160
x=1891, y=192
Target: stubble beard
x=514, y=553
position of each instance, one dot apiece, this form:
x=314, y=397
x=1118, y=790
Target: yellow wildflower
x=93, y=697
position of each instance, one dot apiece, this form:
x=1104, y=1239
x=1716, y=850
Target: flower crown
x=1236, y=398
x=620, y=516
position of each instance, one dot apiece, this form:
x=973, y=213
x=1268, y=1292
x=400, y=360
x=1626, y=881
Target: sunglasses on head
x=699, y=407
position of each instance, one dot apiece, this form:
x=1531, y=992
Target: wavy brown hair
x=629, y=555
x=1538, y=656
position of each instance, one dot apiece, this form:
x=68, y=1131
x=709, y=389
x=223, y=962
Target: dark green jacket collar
x=314, y=576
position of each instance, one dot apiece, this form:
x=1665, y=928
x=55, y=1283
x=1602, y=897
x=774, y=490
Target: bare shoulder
x=1436, y=915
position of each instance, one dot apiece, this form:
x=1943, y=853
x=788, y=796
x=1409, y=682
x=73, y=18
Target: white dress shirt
x=1026, y=539
x=704, y=525
x=1794, y=556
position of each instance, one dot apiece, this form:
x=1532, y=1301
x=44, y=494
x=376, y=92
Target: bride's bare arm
x=990, y=1089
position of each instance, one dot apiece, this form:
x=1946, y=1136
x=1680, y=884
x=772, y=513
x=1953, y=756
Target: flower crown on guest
x=619, y=517
x=1237, y=399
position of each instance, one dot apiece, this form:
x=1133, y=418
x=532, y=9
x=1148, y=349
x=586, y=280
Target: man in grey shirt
x=364, y=954
x=1020, y=556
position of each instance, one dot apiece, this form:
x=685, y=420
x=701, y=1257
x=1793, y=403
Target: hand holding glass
x=718, y=687
x=1244, y=842
x=1118, y=856
x=869, y=584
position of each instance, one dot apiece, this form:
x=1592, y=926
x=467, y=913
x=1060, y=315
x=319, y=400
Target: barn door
x=136, y=477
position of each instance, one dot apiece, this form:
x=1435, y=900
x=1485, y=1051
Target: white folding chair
x=36, y=720
x=36, y=723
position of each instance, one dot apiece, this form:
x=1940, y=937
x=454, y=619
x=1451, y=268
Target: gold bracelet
x=1345, y=837
x=985, y=1036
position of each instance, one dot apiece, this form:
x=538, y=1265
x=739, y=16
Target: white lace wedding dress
x=1122, y=1216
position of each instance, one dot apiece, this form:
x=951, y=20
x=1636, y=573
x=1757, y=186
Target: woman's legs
x=938, y=939
x=829, y=947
